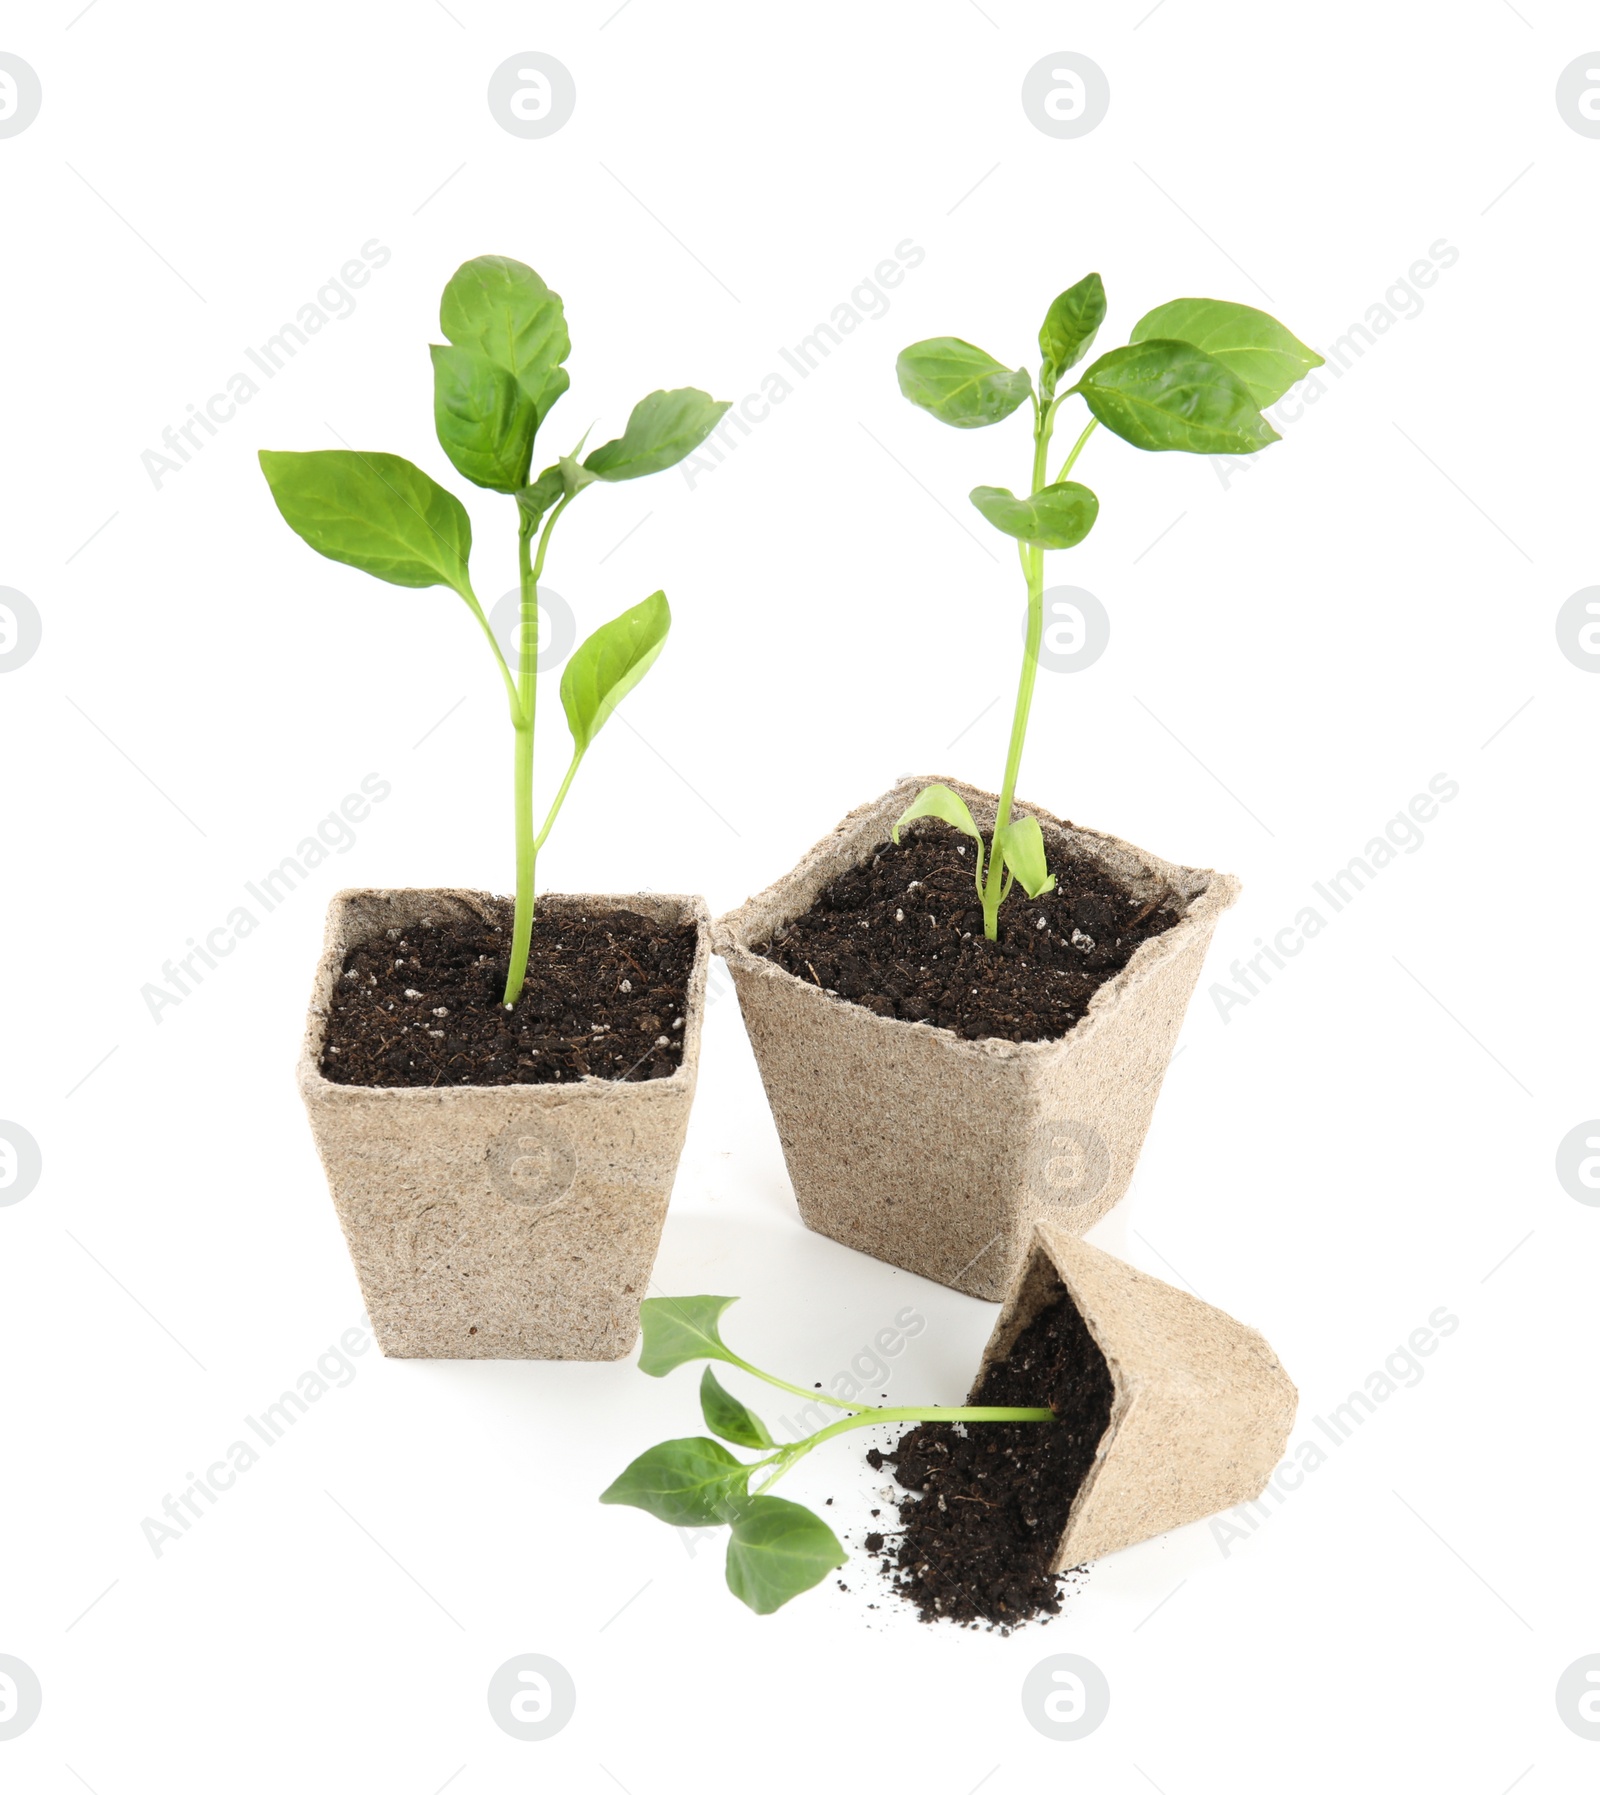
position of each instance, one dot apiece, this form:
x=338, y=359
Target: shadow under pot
x=913, y=1128
x=502, y=1177
x=1167, y=1410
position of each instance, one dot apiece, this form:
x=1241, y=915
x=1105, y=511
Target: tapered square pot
x=500, y=1221
x=937, y=1153
x=1200, y=1412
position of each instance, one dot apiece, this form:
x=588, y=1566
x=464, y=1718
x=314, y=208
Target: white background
x=1297, y=655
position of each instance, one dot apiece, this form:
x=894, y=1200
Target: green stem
x=560, y=798
x=470, y=598
x=1033, y=570
x=1077, y=449
x=779, y=1383
x=529, y=568
x=791, y=1456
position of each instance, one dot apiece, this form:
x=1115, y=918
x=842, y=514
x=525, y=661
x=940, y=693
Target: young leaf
x=686, y=1483
x=727, y=1417
x=376, y=512
x=1069, y=328
x=502, y=309
x=778, y=1550
x=680, y=1329
x=939, y=801
x=960, y=384
x=610, y=664
x=662, y=428
x=536, y=499
x=1022, y=845
x=1054, y=517
x=574, y=476
x=1162, y=395
x=1265, y=356
x=484, y=420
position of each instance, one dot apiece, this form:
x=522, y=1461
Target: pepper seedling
x=776, y=1548
x=494, y=382
x=1193, y=377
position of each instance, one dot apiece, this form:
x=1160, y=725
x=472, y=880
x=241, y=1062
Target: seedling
x=776, y=1548
x=1193, y=376
x=494, y=383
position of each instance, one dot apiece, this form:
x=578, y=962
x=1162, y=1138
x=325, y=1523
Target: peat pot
x=938, y=1153
x=1200, y=1412
x=504, y=1221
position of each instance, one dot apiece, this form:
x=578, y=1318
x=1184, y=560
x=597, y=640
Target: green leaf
x=939, y=801
x=1054, y=517
x=607, y=667
x=727, y=1417
x=533, y=501
x=662, y=428
x=502, y=309
x=778, y=1550
x=1256, y=347
x=485, y=422
x=960, y=384
x=376, y=512
x=1162, y=395
x=1069, y=328
x=686, y=1483
x=1022, y=846
x=680, y=1329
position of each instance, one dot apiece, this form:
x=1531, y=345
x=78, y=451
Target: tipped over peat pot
x=498, y=1219
x=934, y=1143
x=1167, y=1410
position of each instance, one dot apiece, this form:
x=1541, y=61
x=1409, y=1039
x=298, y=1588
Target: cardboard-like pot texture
x=500, y=1221
x=937, y=1153
x=1200, y=1412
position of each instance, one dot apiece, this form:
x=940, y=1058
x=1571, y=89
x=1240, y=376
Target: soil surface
x=902, y=935
x=604, y=997
x=994, y=1497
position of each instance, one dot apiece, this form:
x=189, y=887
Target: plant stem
x=471, y=600
x=559, y=799
x=1077, y=450
x=529, y=567
x=872, y=1417
x=1033, y=569
x=779, y=1383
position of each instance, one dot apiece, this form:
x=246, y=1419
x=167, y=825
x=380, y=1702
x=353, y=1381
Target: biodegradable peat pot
x=936, y=1153
x=1201, y=1408
x=500, y=1221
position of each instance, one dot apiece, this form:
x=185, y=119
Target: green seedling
x=1193, y=377
x=494, y=382
x=776, y=1548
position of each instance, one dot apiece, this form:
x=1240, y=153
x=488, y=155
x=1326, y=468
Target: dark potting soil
x=993, y=1497
x=902, y=935
x=604, y=997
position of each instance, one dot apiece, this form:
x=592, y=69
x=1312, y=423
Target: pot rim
x=315, y=1088
x=1214, y=892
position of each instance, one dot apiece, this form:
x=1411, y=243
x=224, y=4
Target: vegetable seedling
x=494, y=382
x=776, y=1548
x=1193, y=377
